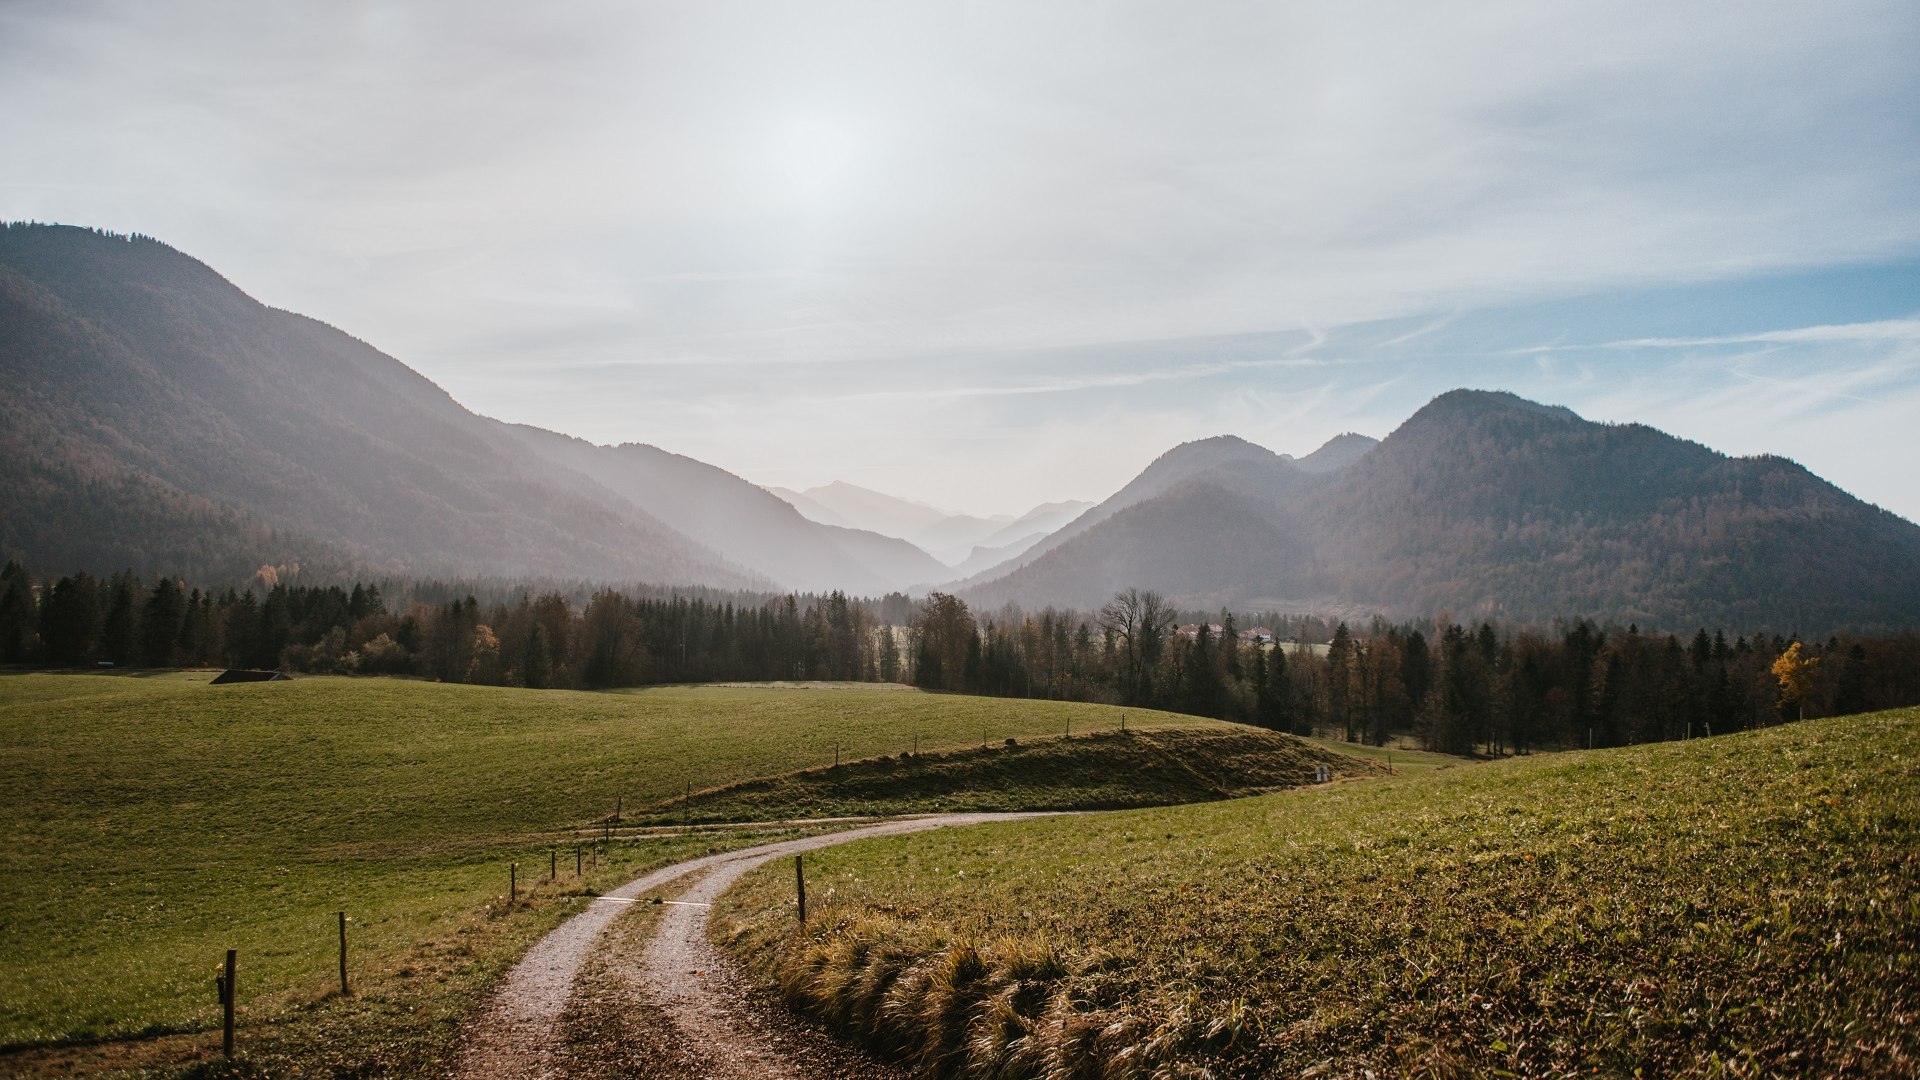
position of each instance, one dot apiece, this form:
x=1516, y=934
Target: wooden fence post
x=513, y=882
x=345, y=990
x=576, y=860
x=800, y=886
x=553, y=865
x=227, y=995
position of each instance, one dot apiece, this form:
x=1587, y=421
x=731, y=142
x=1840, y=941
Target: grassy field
x=1741, y=906
x=1400, y=759
x=151, y=823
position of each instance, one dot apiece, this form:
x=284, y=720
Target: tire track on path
x=518, y=1031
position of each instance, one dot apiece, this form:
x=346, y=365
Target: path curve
x=517, y=1032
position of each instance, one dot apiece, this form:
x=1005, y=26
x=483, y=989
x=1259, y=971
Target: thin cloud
x=1879, y=330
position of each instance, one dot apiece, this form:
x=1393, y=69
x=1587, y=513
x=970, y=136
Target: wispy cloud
x=1879, y=331
x=778, y=236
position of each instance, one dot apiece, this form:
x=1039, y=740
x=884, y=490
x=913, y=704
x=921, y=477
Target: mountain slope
x=1337, y=453
x=1044, y=519
x=983, y=558
x=875, y=511
x=1180, y=464
x=1486, y=504
x=745, y=523
x=156, y=416
x=810, y=509
x=952, y=538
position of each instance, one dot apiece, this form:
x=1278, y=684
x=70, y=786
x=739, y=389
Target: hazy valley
x=160, y=419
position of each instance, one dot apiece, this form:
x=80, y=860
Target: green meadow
x=153, y=822
x=1747, y=905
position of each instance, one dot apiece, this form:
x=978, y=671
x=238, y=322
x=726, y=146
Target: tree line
x=1452, y=686
x=546, y=640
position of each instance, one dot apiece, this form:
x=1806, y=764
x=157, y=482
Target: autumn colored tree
x=1795, y=672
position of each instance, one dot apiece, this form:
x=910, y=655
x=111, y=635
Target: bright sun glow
x=816, y=156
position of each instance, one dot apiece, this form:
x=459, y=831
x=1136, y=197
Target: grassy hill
x=1738, y=906
x=151, y=823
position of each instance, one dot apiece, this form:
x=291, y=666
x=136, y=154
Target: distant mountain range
x=156, y=417
x=955, y=539
x=1487, y=505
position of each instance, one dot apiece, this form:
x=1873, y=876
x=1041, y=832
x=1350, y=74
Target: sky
x=987, y=255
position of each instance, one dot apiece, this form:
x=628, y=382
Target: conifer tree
x=17, y=615
x=120, y=633
x=161, y=621
x=1274, y=698
x=536, y=665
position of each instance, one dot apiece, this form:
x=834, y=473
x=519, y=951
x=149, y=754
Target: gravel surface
x=713, y=1025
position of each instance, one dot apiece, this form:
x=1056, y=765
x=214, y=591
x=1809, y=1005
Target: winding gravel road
x=713, y=1018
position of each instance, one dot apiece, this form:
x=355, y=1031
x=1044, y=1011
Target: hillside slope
x=1171, y=469
x=158, y=417
x=741, y=521
x=1736, y=906
x=1483, y=504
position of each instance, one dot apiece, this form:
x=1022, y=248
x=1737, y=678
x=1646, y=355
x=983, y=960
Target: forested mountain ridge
x=1486, y=505
x=156, y=416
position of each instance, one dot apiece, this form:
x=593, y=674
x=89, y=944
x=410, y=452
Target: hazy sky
x=992, y=254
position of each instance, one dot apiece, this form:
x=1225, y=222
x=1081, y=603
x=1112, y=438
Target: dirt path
x=715, y=1021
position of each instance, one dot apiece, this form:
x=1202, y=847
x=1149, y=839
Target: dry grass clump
x=1004, y=1007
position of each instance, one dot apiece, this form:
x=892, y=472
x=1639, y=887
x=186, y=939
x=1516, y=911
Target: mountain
x=1017, y=537
x=1043, y=519
x=983, y=558
x=1337, y=453
x=744, y=523
x=1180, y=464
x=159, y=418
x=810, y=509
x=876, y=511
x=156, y=416
x=954, y=539
x=1484, y=504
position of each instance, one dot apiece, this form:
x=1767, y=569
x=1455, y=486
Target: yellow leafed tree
x=1795, y=672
